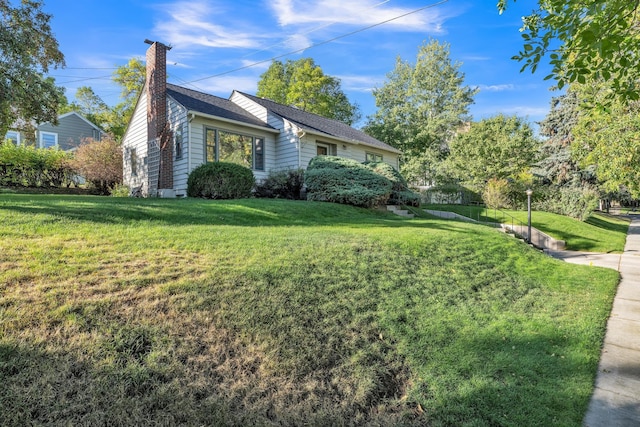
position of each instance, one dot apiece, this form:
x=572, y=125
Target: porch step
x=401, y=212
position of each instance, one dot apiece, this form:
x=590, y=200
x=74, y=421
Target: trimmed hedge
x=220, y=180
x=340, y=180
x=24, y=166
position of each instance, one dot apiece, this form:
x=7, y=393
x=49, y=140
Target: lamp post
x=529, y=193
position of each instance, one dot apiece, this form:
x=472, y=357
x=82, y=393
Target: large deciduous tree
x=585, y=40
x=27, y=50
x=500, y=147
x=608, y=139
x=420, y=107
x=304, y=85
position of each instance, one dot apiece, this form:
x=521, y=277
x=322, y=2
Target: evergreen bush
x=400, y=192
x=346, y=181
x=220, y=180
x=284, y=184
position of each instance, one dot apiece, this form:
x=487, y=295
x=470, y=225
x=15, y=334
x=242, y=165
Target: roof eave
x=346, y=140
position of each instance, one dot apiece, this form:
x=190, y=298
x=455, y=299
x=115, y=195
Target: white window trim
x=332, y=149
x=41, y=139
x=17, y=136
x=375, y=156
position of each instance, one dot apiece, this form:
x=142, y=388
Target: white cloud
x=191, y=24
x=496, y=88
x=355, y=12
x=359, y=83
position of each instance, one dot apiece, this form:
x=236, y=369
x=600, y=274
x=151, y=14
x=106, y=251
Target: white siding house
x=200, y=128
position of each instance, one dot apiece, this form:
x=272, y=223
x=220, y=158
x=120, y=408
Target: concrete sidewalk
x=616, y=397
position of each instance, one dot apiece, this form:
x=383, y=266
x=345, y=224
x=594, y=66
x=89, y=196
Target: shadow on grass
x=242, y=212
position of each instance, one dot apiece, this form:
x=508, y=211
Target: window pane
x=235, y=149
x=370, y=157
x=211, y=145
x=259, y=160
x=322, y=150
x=13, y=137
x=48, y=139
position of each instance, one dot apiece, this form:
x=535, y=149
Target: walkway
x=616, y=397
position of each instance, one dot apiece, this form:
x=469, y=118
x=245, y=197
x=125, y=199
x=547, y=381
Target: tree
x=557, y=166
x=27, y=50
x=304, y=85
x=609, y=141
x=420, y=108
x=500, y=147
x=100, y=162
x=585, y=40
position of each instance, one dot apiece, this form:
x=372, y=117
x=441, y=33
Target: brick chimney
x=157, y=125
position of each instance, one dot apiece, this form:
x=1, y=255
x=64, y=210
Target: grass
x=267, y=312
x=599, y=233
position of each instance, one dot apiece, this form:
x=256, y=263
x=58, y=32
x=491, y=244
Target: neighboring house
x=67, y=135
x=174, y=129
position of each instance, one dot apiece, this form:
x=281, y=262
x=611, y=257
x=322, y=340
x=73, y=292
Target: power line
x=322, y=42
x=310, y=31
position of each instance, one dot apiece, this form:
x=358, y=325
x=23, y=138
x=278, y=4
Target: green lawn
x=262, y=312
x=599, y=233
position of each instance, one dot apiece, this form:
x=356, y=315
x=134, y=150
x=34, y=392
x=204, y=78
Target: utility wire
x=309, y=32
x=322, y=42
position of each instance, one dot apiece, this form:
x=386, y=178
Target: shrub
x=120, y=190
x=496, y=194
x=340, y=180
x=576, y=202
x=100, y=163
x=284, y=184
x=400, y=192
x=34, y=167
x=220, y=180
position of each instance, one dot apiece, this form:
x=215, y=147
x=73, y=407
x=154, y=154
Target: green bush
x=400, y=192
x=575, y=202
x=496, y=194
x=284, y=184
x=340, y=180
x=120, y=190
x=220, y=180
x=34, y=167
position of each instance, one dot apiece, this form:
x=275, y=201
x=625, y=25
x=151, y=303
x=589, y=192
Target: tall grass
x=272, y=312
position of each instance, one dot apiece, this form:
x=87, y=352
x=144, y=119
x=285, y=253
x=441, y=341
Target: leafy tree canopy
x=609, y=141
x=27, y=50
x=420, y=107
x=304, y=85
x=584, y=40
x=499, y=147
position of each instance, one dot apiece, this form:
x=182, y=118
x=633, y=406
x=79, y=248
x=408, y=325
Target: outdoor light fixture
x=529, y=193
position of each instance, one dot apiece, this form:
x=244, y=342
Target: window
x=373, y=157
x=178, y=145
x=245, y=150
x=13, y=136
x=133, y=159
x=96, y=135
x=48, y=139
x=325, y=149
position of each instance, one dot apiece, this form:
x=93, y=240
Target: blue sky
x=219, y=38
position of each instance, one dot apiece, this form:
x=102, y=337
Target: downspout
x=300, y=134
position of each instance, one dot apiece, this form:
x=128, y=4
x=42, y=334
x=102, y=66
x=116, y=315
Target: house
x=67, y=135
x=174, y=129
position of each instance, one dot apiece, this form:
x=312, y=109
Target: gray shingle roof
x=315, y=123
x=212, y=105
